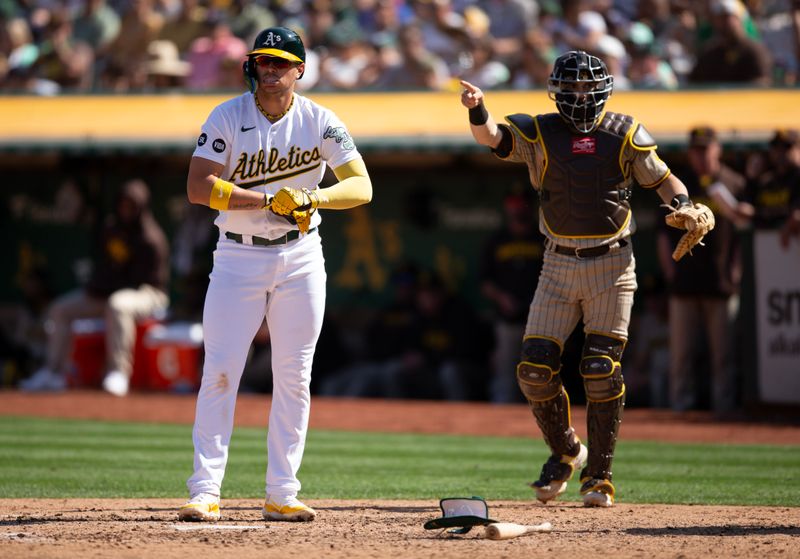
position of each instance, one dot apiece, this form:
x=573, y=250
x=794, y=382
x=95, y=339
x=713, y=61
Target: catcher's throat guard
x=461, y=514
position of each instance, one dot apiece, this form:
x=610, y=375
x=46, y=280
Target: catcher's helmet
x=580, y=85
x=273, y=41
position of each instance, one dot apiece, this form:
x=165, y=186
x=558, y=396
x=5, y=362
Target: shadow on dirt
x=726, y=530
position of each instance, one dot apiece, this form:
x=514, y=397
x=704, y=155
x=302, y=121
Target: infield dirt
x=106, y=528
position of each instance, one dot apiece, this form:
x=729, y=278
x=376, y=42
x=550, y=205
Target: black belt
x=262, y=242
x=591, y=252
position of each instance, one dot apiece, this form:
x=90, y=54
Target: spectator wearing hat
x=730, y=56
x=703, y=291
x=165, y=69
x=773, y=189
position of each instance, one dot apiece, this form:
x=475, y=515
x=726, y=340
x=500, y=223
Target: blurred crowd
x=53, y=46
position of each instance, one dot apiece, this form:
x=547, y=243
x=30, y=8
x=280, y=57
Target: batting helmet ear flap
x=250, y=76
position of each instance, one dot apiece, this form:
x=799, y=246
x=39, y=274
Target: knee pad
x=601, y=369
x=537, y=372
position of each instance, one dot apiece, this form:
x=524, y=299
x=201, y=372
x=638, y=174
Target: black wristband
x=680, y=200
x=478, y=115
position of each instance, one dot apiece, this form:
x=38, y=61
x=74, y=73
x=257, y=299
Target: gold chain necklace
x=272, y=117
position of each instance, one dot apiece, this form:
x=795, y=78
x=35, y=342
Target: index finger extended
x=468, y=86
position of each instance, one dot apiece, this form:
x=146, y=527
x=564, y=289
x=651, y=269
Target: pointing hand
x=472, y=96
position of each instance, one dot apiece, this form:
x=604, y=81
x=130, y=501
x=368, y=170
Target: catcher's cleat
x=287, y=509
x=597, y=493
x=556, y=472
x=200, y=508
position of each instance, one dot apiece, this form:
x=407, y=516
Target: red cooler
x=172, y=354
x=89, y=353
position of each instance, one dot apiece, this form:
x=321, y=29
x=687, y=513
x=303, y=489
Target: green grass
x=71, y=458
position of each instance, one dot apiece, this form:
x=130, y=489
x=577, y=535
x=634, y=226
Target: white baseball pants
x=285, y=283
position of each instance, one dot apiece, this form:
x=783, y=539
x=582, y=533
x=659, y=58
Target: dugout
x=437, y=194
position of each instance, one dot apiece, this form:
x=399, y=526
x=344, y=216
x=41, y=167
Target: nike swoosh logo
x=246, y=129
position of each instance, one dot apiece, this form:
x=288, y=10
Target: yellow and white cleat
x=597, y=493
x=288, y=509
x=200, y=508
x=556, y=472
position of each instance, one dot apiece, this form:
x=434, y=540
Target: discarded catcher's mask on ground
x=461, y=513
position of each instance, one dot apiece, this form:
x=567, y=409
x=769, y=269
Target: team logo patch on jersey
x=584, y=145
x=218, y=145
x=201, y=141
x=339, y=133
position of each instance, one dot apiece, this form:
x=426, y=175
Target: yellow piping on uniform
x=625, y=142
x=629, y=140
x=658, y=182
x=521, y=133
x=545, y=157
x=614, y=365
x=569, y=412
x=617, y=397
x=543, y=366
x=612, y=336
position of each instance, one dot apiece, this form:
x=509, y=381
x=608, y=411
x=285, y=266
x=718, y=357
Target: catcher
x=584, y=162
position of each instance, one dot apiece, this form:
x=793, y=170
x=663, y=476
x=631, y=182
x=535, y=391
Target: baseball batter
x=259, y=160
x=583, y=162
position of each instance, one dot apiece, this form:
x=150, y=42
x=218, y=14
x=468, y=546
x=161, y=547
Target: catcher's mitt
x=296, y=206
x=697, y=220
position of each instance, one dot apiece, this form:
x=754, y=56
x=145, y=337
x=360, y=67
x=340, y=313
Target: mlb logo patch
x=584, y=145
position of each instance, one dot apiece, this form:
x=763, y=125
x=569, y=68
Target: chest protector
x=584, y=192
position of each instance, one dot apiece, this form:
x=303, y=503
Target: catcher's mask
x=580, y=85
x=280, y=42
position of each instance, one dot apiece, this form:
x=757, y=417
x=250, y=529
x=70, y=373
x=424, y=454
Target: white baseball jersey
x=267, y=156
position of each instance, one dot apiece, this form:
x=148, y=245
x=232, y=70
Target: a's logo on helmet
x=272, y=40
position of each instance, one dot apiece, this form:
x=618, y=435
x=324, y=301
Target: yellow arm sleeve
x=353, y=189
x=220, y=196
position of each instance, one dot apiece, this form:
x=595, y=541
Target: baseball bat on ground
x=508, y=530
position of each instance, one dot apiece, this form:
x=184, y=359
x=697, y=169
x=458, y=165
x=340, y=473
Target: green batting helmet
x=281, y=42
x=273, y=41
